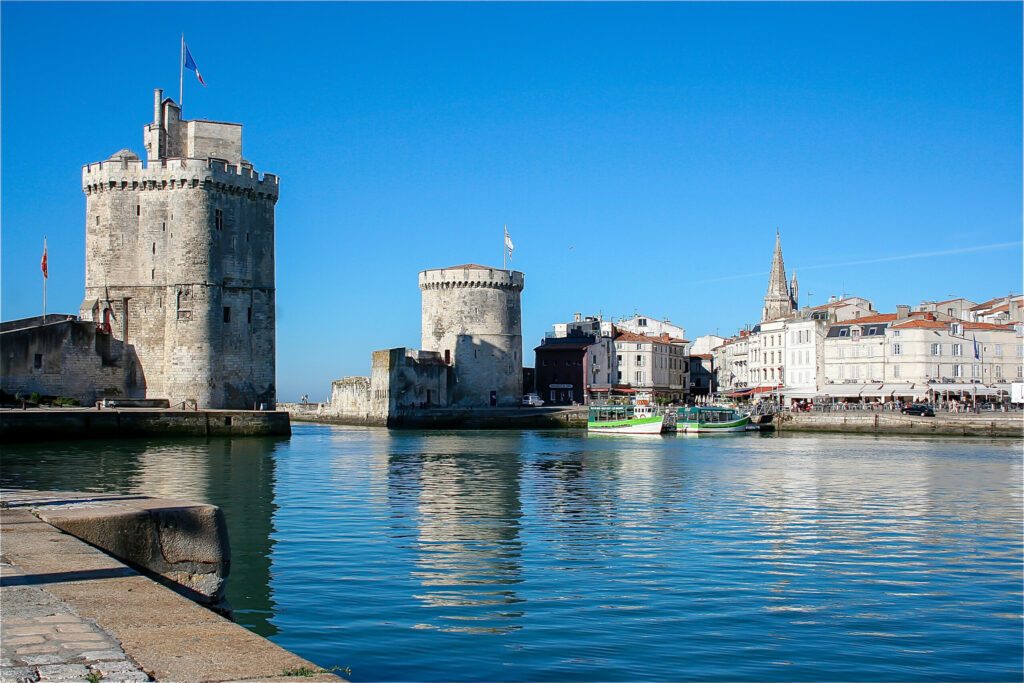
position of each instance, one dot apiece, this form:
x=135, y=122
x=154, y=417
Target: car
x=532, y=400
x=922, y=409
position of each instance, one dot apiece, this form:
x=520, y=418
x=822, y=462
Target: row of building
x=844, y=349
x=847, y=350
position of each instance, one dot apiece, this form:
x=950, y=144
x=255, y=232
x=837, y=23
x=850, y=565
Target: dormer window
x=956, y=328
x=855, y=333
x=844, y=332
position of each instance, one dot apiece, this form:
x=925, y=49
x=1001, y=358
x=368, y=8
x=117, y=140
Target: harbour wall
x=51, y=425
x=991, y=424
x=456, y=418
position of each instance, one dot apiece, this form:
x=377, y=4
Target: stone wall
x=69, y=358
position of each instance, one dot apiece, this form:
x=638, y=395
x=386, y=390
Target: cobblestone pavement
x=42, y=639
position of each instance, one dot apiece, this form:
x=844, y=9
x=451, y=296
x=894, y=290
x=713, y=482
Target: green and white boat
x=639, y=418
x=713, y=419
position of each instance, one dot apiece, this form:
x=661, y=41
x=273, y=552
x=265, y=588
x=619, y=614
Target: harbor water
x=544, y=556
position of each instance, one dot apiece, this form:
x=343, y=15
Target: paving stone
x=37, y=630
x=82, y=646
x=63, y=672
x=103, y=656
x=21, y=674
x=36, y=649
x=36, y=660
x=23, y=640
x=60, y=619
x=75, y=628
x=78, y=637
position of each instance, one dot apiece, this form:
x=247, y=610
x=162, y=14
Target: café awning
x=844, y=390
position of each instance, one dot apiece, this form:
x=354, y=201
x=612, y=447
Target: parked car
x=922, y=409
x=532, y=400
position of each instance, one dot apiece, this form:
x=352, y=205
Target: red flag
x=42, y=264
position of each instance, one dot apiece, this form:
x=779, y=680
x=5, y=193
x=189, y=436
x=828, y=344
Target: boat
x=637, y=418
x=713, y=419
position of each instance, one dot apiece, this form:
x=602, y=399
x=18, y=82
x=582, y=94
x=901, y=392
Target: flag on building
x=508, y=243
x=977, y=353
x=42, y=264
x=191, y=64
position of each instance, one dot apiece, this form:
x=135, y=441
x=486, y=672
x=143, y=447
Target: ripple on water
x=553, y=556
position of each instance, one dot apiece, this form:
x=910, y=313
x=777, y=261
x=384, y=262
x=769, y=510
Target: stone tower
x=180, y=262
x=473, y=318
x=779, y=301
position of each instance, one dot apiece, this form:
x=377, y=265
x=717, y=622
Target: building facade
x=180, y=263
x=659, y=366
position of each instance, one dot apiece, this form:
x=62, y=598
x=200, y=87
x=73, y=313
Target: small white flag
x=508, y=243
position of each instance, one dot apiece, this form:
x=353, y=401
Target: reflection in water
x=554, y=556
x=466, y=510
x=234, y=474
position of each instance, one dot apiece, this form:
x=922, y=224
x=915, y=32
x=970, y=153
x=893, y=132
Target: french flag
x=191, y=64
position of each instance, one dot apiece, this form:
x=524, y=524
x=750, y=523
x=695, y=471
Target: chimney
x=158, y=110
x=577, y=317
x=902, y=311
x=832, y=299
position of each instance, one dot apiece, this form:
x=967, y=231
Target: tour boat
x=638, y=418
x=713, y=419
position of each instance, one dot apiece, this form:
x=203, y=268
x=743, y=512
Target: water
x=484, y=556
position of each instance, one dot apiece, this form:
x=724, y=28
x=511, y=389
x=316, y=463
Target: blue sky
x=641, y=155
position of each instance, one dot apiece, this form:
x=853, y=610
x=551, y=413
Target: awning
x=844, y=390
x=957, y=387
x=764, y=390
x=798, y=392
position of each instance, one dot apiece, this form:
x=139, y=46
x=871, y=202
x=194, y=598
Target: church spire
x=794, y=292
x=778, y=301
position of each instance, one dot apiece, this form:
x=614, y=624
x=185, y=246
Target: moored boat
x=638, y=418
x=713, y=419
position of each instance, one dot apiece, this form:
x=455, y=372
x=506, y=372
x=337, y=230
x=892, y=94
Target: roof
x=704, y=356
x=869, y=319
x=470, y=266
x=993, y=302
x=571, y=346
x=918, y=323
x=631, y=336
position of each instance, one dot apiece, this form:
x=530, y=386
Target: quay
x=888, y=422
x=94, y=585
x=48, y=424
x=450, y=418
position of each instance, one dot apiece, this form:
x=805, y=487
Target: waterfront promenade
x=73, y=612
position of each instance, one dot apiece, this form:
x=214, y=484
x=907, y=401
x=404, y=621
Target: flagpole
x=44, y=281
x=504, y=250
x=181, y=73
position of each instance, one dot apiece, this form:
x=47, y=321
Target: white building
x=659, y=365
x=805, y=357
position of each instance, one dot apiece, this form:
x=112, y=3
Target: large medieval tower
x=180, y=262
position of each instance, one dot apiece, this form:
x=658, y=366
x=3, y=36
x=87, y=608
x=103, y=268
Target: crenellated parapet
x=471, y=276
x=132, y=174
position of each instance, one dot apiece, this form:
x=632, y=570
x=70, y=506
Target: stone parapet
x=183, y=173
x=449, y=278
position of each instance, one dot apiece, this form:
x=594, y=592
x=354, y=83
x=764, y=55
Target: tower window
x=154, y=247
x=152, y=274
x=248, y=315
x=97, y=220
x=138, y=210
x=218, y=217
x=227, y=314
x=38, y=361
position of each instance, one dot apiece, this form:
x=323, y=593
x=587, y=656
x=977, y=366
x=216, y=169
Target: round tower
x=472, y=317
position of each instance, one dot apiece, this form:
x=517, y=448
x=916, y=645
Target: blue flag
x=191, y=64
x=977, y=354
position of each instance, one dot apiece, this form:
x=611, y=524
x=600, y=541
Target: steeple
x=777, y=302
x=793, y=292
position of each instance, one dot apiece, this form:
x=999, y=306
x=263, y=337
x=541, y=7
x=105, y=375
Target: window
x=248, y=315
x=936, y=349
x=958, y=371
x=999, y=371
x=896, y=371
x=640, y=361
x=949, y=311
x=639, y=377
x=896, y=349
x=618, y=358
x=218, y=217
x=641, y=322
x=227, y=314
x=956, y=328
x=895, y=333
x=974, y=371
x=154, y=248
x=1020, y=371
x=844, y=332
x=999, y=350
x=958, y=349
x=37, y=362
x=855, y=333
x=152, y=274
x=138, y=210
